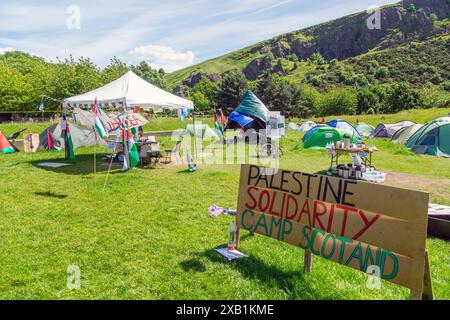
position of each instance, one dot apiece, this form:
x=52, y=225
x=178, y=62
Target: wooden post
x=427, y=283
x=308, y=261
x=238, y=237
x=427, y=293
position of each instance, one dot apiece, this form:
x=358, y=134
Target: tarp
x=345, y=125
x=306, y=126
x=403, y=135
x=85, y=119
x=80, y=137
x=364, y=129
x=433, y=138
x=325, y=135
x=200, y=131
x=388, y=130
x=252, y=107
x=132, y=91
x=241, y=119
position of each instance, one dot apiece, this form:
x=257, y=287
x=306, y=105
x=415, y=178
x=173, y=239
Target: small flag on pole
x=65, y=134
x=100, y=123
x=217, y=126
x=5, y=146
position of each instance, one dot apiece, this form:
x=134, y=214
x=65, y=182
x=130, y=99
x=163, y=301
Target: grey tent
x=80, y=137
x=306, y=126
x=402, y=135
x=388, y=130
x=200, y=131
x=364, y=129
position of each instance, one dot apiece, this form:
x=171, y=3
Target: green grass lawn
x=149, y=236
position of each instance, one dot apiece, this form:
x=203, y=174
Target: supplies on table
x=374, y=176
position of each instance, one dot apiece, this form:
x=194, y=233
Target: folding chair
x=154, y=156
x=170, y=152
x=12, y=138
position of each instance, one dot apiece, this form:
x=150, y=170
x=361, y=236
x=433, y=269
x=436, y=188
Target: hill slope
x=423, y=23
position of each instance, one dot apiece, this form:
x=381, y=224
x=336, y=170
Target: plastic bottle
x=233, y=236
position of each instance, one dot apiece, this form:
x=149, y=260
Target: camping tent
x=364, y=129
x=312, y=131
x=80, y=137
x=131, y=91
x=403, y=135
x=324, y=135
x=250, y=114
x=433, y=138
x=344, y=125
x=292, y=126
x=202, y=131
x=388, y=130
x=306, y=126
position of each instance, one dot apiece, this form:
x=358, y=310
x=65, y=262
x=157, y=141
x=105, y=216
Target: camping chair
x=12, y=138
x=175, y=151
x=154, y=156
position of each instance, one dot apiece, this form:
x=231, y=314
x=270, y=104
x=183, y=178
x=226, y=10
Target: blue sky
x=169, y=34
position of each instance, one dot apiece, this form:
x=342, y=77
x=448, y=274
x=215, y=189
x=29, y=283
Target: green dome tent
x=364, y=129
x=433, y=138
x=324, y=135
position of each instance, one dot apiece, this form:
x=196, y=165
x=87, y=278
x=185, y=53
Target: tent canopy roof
x=253, y=107
x=132, y=91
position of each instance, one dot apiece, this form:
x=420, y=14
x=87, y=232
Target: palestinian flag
x=50, y=143
x=99, y=121
x=65, y=134
x=134, y=153
x=5, y=146
x=130, y=150
x=217, y=126
x=223, y=119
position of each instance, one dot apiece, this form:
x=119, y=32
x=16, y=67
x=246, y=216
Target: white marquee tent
x=132, y=91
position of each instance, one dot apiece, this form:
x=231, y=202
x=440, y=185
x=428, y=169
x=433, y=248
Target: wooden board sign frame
x=354, y=223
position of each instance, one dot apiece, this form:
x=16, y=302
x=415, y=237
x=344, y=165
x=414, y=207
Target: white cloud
x=3, y=50
x=163, y=57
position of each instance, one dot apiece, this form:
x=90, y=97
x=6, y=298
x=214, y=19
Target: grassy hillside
x=414, y=48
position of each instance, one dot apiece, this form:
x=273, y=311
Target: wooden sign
x=31, y=143
x=354, y=223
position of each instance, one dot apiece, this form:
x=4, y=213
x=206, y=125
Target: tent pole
x=195, y=136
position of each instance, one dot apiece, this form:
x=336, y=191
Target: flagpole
x=195, y=136
x=95, y=156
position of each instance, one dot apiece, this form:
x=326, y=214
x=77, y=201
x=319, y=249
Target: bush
x=338, y=101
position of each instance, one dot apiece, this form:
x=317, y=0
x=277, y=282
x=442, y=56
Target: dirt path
x=440, y=188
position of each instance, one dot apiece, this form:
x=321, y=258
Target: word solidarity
x=353, y=223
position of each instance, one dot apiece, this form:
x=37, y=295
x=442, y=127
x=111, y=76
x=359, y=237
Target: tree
x=201, y=102
x=317, y=59
x=146, y=72
x=404, y=97
x=338, y=101
x=266, y=89
x=114, y=70
x=232, y=88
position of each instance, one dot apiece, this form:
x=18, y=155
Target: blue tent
x=344, y=125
